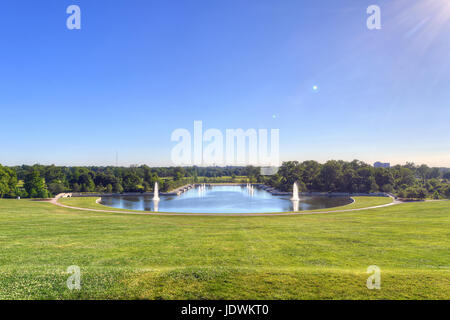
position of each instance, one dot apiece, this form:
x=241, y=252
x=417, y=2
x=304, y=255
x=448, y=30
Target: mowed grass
x=90, y=203
x=323, y=256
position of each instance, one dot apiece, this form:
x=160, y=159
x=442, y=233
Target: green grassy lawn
x=90, y=203
x=321, y=256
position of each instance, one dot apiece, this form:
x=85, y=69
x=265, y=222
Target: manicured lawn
x=321, y=256
x=365, y=202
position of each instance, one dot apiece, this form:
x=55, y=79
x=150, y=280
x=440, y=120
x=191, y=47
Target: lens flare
x=425, y=21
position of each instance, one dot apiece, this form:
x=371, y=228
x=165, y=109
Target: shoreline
x=275, y=192
x=273, y=214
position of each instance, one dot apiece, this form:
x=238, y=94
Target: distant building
x=379, y=164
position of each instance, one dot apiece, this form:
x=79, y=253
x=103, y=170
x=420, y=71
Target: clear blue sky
x=137, y=70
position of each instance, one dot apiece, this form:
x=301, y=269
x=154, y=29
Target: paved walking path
x=55, y=202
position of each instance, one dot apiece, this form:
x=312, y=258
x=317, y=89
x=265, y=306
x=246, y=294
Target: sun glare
x=425, y=20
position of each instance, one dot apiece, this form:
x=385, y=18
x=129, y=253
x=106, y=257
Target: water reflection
x=155, y=205
x=224, y=199
x=295, y=205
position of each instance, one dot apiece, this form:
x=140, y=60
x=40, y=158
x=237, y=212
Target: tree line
x=406, y=181
x=39, y=181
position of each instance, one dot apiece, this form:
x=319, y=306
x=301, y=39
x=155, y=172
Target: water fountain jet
x=156, y=192
x=295, y=192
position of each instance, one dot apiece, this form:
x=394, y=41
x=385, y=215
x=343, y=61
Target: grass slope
x=322, y=256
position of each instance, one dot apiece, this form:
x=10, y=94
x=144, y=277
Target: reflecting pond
x=224, y=199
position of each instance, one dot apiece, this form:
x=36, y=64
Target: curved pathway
x=55, y=202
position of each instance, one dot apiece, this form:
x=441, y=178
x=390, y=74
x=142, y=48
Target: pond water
x=224, y=199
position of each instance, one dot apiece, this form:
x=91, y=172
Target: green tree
x=56, y=188
x=179, y=173
x=387, y=188
x=146, y=186
x=404, y=176
x=447, y=192
x=76, y=187
x=35, y=185
x=330, y=175
x=366, y=180
x=310, y=174
x=349, y=180
x=117, y=188
x=422, y=193
x=8, y=182
x=384, y=177
x=132, y=182
x=416, y=193
x=109, y=188
x=434, y=173
x=423, y=171
x=290, y=172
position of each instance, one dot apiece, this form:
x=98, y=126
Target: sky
x=138, y=70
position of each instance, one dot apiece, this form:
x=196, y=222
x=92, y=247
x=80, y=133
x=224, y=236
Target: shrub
x=447, y=192
x=401, y=194
x=416, y=193
x=387, y=188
